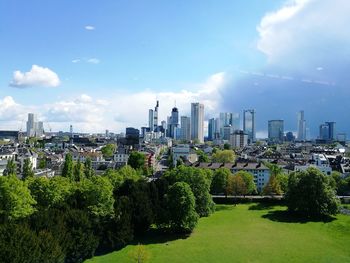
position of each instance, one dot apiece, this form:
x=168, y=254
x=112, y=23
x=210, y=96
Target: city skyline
x=90, y=71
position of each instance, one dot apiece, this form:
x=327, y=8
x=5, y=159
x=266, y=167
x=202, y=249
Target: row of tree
x=68, y=218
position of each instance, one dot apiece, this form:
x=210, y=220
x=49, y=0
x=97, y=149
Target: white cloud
x=89, y=27
x=95, y=114
x=93, y=60
x=76, y=60
x=36, y=77
x=305, y=28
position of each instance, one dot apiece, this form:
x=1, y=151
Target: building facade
x=197, y=122
x=249, y=125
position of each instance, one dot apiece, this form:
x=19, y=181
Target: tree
x=27, y=169
x=50, y=193
x=67, y=170
x=88, y=171
x=199, y=182
x=227, y=146
x=78, y=171
x=181, y=205
x=11, y=167
x=202, y=157
x=225, y=156
x=139, y=254
x=15, y=199
x=273, y=186
x=108, y=150
x=311, y=194
x=96, y=196
x=248, y=178
x=219, y=181
x=235, y=185
x=42, y=163
x=137, y=160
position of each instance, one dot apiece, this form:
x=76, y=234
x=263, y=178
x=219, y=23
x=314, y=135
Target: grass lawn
x=249, y=233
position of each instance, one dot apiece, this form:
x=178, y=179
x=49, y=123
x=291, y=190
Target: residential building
x=238, y=139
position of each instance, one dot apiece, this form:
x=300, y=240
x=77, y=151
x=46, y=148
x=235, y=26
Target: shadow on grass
x=288, y=217
x=152, y=236
x=157, y=236
x=261, y=206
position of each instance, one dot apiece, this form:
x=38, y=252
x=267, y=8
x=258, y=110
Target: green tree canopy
x=181, y=203
x=88, y=170
x=15, y=199
x=225, y=156
x=310, y=193
x=108, y=150
x=219, y=181
x=248, y=178
x=67, y=170
x=11, y=167
x=199, y=182
x=137, y=160
x=78, y=171
x=27, y=169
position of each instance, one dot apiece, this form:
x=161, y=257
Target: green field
x=249, y=233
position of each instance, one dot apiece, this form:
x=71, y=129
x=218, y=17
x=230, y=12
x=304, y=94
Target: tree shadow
x=157, y=236
x=262, y=206
x=286, y=216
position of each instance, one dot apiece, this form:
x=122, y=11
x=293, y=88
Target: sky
x=102, y=64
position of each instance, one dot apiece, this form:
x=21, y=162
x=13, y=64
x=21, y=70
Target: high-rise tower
x=197, y=122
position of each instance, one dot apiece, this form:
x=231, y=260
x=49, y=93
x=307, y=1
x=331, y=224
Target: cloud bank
x=307, y=48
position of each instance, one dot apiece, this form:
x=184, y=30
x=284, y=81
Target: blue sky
x=107, y=61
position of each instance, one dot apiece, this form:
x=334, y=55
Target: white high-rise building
x=301, y=136
x=31, y=125
x=197, y=122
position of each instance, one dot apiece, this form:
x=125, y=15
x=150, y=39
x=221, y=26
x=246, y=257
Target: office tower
x=228, y=119
x=324, y=132
x=155, y=117
x=173, y=122
x=71, y=130
x=301, y=135
x=276, y=131
x=185, y=133
x=227, y=130
x=249, y=124
x=39, y=129
x=331, y=127
x=132, y=137
x=197, y=122
x=150, y=120
x=327, y=131
x=31, y=125
x=211, y=129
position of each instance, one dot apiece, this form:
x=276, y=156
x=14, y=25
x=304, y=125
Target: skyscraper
x=197, y=122
x=173, y=122
x=327, y=131
x=31, y=125
x=151, y=120
x=301, y=136
x=276, y=130
x=155, y=117
x=228, y=119
x=249, y=124
x=185, y=128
